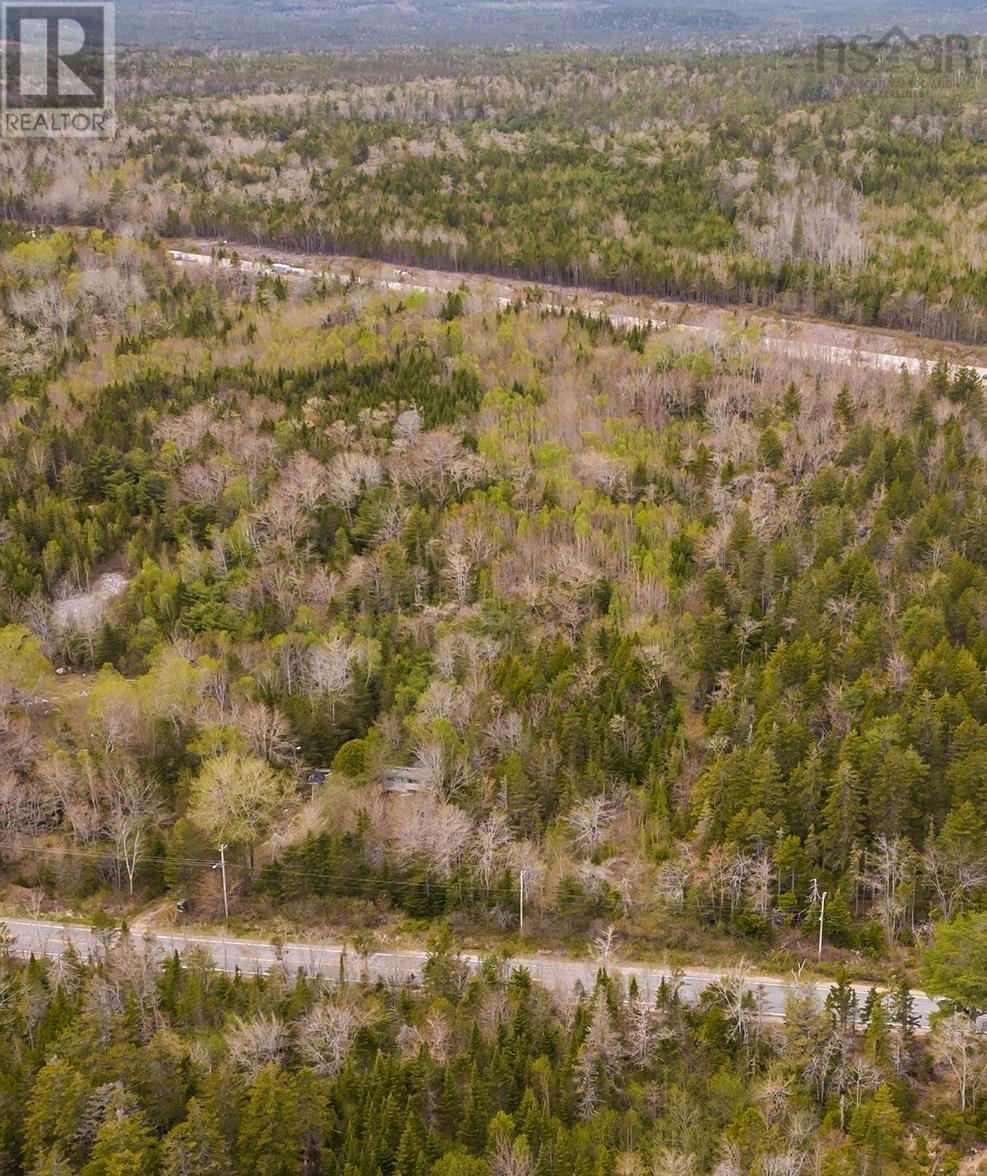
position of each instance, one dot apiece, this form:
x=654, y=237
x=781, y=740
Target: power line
x=361, y=884
x=294, y=871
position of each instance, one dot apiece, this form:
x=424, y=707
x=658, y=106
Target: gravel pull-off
x=85, y=610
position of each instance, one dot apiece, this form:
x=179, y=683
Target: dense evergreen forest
x=771, y=179
x=132, y=1066
x=688, y=632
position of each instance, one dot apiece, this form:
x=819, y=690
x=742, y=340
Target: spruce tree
x=842, y=1002
x=272, y=1129
x=196, y=1145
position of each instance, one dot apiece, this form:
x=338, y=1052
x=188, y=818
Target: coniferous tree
x=196, y=1146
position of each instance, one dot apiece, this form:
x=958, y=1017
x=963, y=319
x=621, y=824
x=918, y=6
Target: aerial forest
x=410, y=598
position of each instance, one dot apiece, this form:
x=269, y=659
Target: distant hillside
x=282, y=24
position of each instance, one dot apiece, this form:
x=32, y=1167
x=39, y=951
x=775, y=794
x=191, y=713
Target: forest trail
x=798, y=339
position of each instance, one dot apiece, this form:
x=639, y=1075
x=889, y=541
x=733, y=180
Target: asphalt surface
x=560, y=974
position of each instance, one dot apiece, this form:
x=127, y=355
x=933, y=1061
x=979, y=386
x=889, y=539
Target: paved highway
x=796, y=349
x=251, y=956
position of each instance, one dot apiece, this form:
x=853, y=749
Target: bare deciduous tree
x=350, y=475
x=513, y=1157
x=591, y=821
x=647, y=1026
x=741, y=1004
x=958, y=1051
x=255, y=1043
x=600, y=1056
x=490, y=842
x=890, y=878
x=438, y=831
x=325, y=1036
x=46, y=306
x=602, y=947
x=956, y=869
x=266, y=730
x=328, y=671
x=134, y=807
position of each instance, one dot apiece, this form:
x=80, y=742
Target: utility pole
x=521, y=907
x=221, y=866
x=822, y=916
